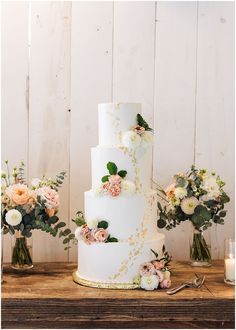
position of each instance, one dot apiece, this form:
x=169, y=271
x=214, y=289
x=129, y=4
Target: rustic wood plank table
x=46, y=297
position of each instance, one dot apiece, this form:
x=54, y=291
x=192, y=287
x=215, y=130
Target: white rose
x=92, y=223
x=130, y=139
x=146, y=139
x=128, y=187
x=150, y=282
x=35, y=182
x=211, y=186
x=180, y=192
x=13, y=217
x=77, y=232
x=188, y=205
x=175, y=201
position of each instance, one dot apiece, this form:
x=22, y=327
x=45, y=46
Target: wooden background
x=60, y=59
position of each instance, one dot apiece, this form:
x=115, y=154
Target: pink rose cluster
x=156, y=268
x=97, y=235
x=113, y=185
x=51, y=198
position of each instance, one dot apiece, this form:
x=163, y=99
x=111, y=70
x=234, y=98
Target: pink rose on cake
x=114, y=190
x=147, y=269
x=165, y=284
x=158, y=264
x=100, y=235
x=114, y=179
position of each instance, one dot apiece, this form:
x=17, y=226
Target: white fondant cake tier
x=129, y=217
x=136, y=163
x=115, y=262
x=115, y=118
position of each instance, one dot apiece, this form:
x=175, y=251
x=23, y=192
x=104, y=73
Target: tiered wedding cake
x=120, y=210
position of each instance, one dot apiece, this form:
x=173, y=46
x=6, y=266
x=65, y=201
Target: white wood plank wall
x=177, y=58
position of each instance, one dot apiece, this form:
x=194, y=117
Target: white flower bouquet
x=26, y=207
x=197, y=196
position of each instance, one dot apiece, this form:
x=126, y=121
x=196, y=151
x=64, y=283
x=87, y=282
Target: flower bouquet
x=197, y=196
x=26, y=207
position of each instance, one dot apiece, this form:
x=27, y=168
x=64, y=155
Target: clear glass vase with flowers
x=197, y=196
x=27, y=207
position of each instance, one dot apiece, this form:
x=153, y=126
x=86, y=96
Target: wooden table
x=46, y=297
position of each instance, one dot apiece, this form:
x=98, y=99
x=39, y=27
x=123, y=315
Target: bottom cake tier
x=114, y=265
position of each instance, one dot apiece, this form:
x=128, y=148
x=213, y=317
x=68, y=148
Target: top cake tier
x=115, y=119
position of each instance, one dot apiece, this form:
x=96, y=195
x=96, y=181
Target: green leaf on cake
x=112, y=240
x=122, y=173
x=112, y=168
x=103, y=224
x=143, y=123
x=105, y=178
x=155, y=253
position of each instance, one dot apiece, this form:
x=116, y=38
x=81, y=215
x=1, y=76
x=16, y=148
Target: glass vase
x=21, y=252
x=200, y=248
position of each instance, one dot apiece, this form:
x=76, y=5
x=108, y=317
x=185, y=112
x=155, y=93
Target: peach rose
x=114, y=190
x=147, y=269
x=50, y=196
x=50, y=212
x=114, y=179
x=165, y=284
x=160, y=274
x=88, y=238
x=100, y=235
x=19, y=193
x=158, y=264
x=170, y=191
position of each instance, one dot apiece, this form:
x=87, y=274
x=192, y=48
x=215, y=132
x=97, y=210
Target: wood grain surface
x=46, y=297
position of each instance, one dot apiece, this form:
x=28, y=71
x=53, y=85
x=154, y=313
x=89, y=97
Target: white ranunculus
x=92, y=223
x=77, y=232
x=149, y=282
x=211, y=186
x=180, y=192
x=146, y=139
x=35, y=182
x=188, y=205
x=130, y=139
x=13, y=217
x=128, y=187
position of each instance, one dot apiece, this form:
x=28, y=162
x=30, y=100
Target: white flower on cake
x=146, y=139
x=180, y=192
x=130, y=139
x=13, y=217
x=188, y=205
x=128, y=187
x=92, y=223
x=150, y=282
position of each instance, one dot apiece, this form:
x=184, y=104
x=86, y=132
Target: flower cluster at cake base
x=154, y=274
x=139, y=136
x=114, y=184
x=92, y=230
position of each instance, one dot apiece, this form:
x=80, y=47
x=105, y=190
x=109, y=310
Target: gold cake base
x=103, y=285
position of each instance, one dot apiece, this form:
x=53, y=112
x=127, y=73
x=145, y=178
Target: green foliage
x=80, y=220
x=111, y=240
x=122, y=173
x=112, y=168
x=105, y=178
x=141, y=122
x=103, y=224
